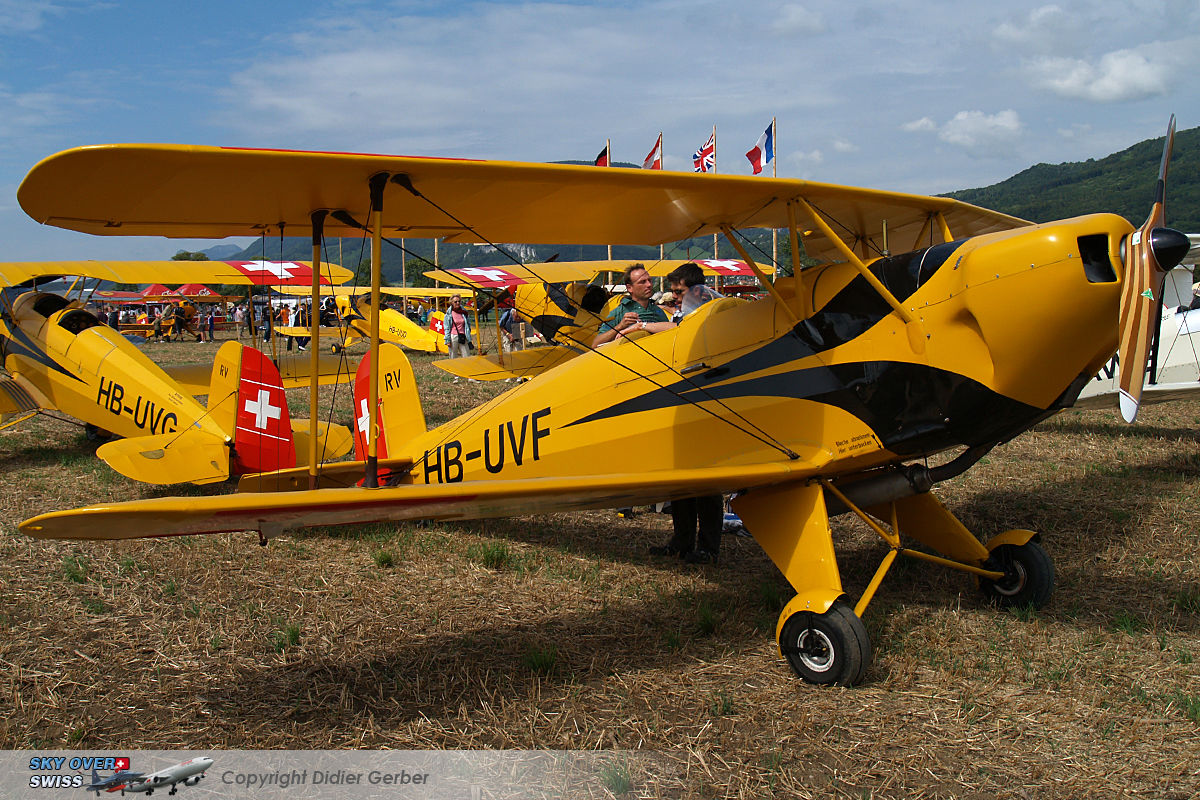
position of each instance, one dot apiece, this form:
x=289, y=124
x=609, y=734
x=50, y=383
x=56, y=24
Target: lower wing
x=518, y=364
x=271, y=513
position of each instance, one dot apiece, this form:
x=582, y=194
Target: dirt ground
x=561, y=632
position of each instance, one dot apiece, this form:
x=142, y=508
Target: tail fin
x=246, y=399
x=400, y=417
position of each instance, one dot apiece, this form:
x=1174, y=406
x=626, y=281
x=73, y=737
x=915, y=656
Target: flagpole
x=608, y=149
x=714, y=169
x=774, y=174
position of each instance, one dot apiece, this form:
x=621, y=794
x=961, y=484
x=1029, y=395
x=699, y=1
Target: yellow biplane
x=60, y=357
x=561, y=303
x=931, y=327
x=355, y=318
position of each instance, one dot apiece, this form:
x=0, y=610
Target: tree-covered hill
x=1122, y=183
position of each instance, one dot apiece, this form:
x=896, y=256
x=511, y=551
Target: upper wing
x=355, y=291
x=213, y=192
x=517, y=274
x=273, y=512
x=564, y=271
x=243, y=273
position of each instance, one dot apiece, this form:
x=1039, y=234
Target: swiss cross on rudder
x=362, y=389
x=263, y=434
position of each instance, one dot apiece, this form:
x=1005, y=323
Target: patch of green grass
x=129, y=564
x=770, y=596
x=672, y=640
x=287, y=636
x=1183, y=655
x=707, y=619
x=1187, y=599
x=77, y=733
x=1125, y=622
x=1189, y=703
x=170, y=588
x=1025, y=613
x=384, y=559
x=94, y=606
x=721, y=705
x=616, y=778
x=493, y=555
x=542, y=660
x=216, y=641
x=75, y=568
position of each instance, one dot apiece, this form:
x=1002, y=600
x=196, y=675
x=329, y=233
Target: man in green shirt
x=636, y=311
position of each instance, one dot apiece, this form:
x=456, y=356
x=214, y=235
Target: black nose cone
x=1169, y=247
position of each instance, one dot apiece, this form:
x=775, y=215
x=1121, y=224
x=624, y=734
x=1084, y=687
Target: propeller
x=1149, y=253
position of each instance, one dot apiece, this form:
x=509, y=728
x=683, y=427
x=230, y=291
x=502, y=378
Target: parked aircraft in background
x=61, y=358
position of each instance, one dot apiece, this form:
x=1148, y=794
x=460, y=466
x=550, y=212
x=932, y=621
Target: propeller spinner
x=1149, y=253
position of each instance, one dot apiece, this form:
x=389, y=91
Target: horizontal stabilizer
x=15, y=398
x=338, y=475
x=274, y=512
x=333, y=441
x=295, y=368
x=192, y=456
x=520, y=364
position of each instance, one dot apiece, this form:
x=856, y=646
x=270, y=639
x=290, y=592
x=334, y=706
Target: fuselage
x=1005, y=324
x=187, y=772
x=90, y=371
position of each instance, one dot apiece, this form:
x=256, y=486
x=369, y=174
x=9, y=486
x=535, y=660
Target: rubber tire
x=1029, y=577
x=335, y=348
x=96, y=434
x=839, y=649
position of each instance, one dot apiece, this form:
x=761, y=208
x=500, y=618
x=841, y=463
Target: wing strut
x=806, y=309
x=378, y=182
x=916, y=332
x=762, y=277
x=314, y=351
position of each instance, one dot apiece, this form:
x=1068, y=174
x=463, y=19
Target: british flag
x=705, y=159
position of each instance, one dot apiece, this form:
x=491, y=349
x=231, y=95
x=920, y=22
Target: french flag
x=764, y=150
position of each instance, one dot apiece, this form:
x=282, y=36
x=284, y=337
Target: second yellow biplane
x=931, y=327
x=355, y=318
x=561, y=302
x=60, y=357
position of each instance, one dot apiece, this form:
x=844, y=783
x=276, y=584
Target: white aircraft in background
x=1174, y=370
x=187, y=772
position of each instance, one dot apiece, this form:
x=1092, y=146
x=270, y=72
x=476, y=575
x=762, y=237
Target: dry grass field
x=560, y=632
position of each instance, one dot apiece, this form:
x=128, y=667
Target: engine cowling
x=192, y=781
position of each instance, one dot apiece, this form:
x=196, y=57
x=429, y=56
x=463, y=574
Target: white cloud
x=22, y=16
x=922, y=124
x=795, y=19
x=1041, y=30
x=1116, y=77
x=843, y=146
x=983, y=134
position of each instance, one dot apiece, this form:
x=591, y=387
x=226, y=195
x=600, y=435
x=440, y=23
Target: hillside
x=1122, y=183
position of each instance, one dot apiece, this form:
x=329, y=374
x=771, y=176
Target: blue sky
x=913, y=96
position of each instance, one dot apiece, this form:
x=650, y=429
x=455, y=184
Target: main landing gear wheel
x=827, y=648
x=1028, y=576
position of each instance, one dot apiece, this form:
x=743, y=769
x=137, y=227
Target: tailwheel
x=335, y=348
x=95, y=433
x=829, y=648
x=1028, y=576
